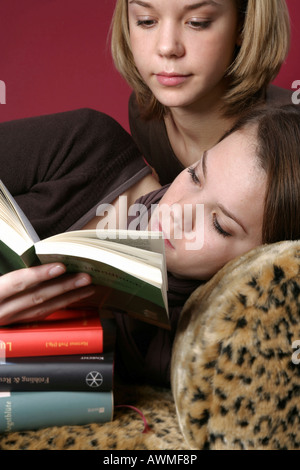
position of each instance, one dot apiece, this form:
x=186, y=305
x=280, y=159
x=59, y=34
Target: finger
x=22, y=279
x=40, y=312
x=41, y=293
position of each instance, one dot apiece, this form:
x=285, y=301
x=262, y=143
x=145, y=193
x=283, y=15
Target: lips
x=166, y=239
x=171, y=79
x=156, y=225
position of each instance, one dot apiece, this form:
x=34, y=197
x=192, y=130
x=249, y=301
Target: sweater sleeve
x=61, y=166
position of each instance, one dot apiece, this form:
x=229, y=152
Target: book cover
x=65, y=332
x=34, y=410
x=88, y=372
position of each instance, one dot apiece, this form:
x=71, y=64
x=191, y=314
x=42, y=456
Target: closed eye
x=219, y=229
x=193, y=174
x=199, y=25
x=147, y=23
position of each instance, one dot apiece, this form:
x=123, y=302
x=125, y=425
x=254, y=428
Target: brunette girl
x=249, y=184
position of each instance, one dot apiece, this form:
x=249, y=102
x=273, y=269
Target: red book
x=65, y=332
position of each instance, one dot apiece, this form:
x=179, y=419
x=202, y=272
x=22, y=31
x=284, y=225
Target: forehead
x=237, y=180
x=235, y=165
x=239, y=146
x=233, y=170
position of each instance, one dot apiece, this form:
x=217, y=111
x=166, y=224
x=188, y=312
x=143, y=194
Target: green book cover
x=10, y=260
x=34, y=410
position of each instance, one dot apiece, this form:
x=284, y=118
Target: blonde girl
x=194, y=68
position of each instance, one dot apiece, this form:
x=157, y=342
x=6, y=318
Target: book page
x=13, y=214
x=123, y=278
x=145, y=246
x=146, y=240
x=131, y=266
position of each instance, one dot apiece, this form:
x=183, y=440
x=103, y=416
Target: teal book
x=20, y=411
x=128, y=266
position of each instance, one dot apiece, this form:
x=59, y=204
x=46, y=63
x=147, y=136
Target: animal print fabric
x=125, y=432
x=235, y=380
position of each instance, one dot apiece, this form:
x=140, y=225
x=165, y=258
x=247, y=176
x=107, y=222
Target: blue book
x=21, y=411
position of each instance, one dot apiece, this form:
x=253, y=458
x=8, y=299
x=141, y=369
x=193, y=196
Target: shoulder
x=153, y=197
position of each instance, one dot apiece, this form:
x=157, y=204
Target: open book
x=129, y=265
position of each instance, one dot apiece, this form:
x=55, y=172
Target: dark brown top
x=59, y=167
x=152, y=139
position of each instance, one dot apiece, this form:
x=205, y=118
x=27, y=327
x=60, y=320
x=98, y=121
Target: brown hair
x=265, y=35
x=278, y=151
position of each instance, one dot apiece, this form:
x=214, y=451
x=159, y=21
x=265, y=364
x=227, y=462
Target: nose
x=184, y=216
x=188, y=224
x=170, y=44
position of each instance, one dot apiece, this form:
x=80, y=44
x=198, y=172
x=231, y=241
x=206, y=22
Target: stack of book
x=56, y=372
x=59, y=386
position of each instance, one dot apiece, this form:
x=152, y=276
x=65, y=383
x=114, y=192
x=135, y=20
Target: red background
x=54, y=56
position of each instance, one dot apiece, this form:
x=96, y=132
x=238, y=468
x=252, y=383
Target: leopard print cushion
x=235, y=371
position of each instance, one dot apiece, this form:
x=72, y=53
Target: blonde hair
x=265, y=41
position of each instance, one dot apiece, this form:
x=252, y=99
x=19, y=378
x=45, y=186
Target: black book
x=86, y=372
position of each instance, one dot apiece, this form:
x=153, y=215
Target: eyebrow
x=231, y=216
x=142, y=4
x=193, y=6
x=204, y=3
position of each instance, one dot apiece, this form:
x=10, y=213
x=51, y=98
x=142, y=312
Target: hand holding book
x=128, y=266
x=33, y=293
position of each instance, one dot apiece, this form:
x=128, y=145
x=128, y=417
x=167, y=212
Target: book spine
x=52, y=343
x=56, y=376
x=34, y=410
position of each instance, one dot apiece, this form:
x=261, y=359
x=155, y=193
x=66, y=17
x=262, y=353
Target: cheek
x=220, y=44
x=136, y=52
x=214, y=254
x=218, y=53
x=137, y=48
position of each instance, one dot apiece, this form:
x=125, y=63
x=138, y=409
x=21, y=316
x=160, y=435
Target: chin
x=172, y=98
x=184, y=275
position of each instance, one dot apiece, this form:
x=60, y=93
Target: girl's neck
x=192, y=132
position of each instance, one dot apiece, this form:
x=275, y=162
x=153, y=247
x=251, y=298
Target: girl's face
x=183, y=48
x=213, y=211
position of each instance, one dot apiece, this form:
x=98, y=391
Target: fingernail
x=82, y=281
x=56, y=271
